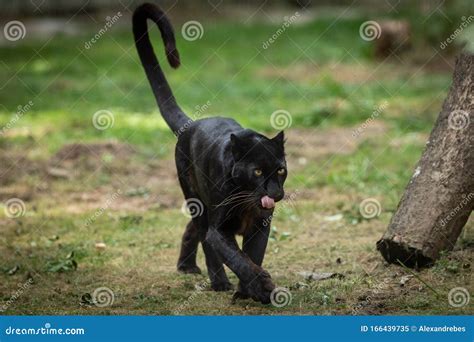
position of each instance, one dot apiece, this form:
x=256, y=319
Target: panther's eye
x=281, y=171
x=258, y=172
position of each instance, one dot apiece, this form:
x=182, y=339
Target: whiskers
x=237, y=199
x=243, y=201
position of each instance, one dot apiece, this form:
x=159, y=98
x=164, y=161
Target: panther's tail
x=172, y=113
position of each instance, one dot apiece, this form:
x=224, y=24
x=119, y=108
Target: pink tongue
x=267, y=202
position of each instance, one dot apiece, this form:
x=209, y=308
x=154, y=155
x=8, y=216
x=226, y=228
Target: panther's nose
x=276, y=194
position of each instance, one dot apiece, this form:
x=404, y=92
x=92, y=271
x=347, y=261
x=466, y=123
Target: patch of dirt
x=151, y=186
x=18, y=190
x=70, y=155
x=133, y=186
x=355, y=73
x=305, y=146
x=339, y=72
x=414, y=138
x=439, y=64
x=297, y=73
x=13, y=166
x=81, y=161
x=163, y=178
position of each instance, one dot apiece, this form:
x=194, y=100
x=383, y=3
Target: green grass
x=330, y=90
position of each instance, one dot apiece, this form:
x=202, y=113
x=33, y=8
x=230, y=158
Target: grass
x=127, y=197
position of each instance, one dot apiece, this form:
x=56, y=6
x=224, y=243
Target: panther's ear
x=237, y=146
x=233, y=139
x=279, y=138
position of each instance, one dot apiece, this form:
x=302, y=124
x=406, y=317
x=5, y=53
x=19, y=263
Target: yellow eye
x=258, y=172
x=281, y=171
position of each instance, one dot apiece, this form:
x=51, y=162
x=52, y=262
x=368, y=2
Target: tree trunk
x=440, y=195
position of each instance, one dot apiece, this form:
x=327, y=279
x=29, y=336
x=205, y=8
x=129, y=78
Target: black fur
x=217, y=161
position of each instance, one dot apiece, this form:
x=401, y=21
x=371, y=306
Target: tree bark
x=440, y=195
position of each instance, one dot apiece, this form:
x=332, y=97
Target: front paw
x=242, y=288
x=220, y=286
x=261, y=287
x=241, y=293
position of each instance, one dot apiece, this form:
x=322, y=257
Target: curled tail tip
x=151, y=11
x=145, y=5
x=172, y=55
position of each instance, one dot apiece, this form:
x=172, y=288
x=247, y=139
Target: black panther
x=236, y=173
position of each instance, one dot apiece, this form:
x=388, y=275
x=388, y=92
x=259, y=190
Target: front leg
x=257, y=281
x=215, y=268
x=254, y=245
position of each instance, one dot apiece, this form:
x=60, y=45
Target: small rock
x=58, y=173
x=333, y=218
x=13, y=270
x=100, y=246
x=405, y=279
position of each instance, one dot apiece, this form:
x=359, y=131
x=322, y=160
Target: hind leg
x=189, y=245
x=215, y=267
x=190, y=239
